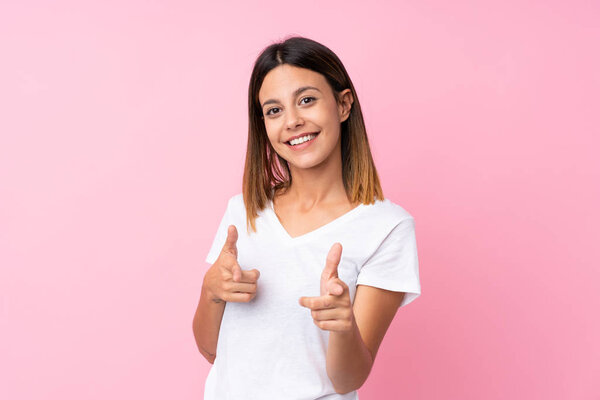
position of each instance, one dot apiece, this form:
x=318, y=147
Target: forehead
x=282, y=80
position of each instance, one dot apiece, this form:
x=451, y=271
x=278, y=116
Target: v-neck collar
x=321, y=229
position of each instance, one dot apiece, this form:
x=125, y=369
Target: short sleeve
x=395, y=264
x=220, y=236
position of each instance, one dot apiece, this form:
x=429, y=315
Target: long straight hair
x=265, y=171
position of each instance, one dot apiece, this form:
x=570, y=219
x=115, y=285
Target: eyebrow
x=296, y=93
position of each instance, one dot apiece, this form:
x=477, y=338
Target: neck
x=319, y=185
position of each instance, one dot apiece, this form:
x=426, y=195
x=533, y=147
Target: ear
x=345, y=104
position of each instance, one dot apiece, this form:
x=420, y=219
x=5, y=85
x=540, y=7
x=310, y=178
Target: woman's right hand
x=225, y=280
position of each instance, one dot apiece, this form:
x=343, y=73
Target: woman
x=296, y=304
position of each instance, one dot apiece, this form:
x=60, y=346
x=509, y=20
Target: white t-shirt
x=269, y=348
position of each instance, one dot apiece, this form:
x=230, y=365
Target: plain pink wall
x=123, y=131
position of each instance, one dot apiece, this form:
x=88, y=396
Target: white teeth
x=302, y=139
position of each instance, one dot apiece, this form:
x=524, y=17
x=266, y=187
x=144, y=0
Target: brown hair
x=265, y=171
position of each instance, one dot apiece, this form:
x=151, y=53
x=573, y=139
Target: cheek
x=271, y=135
x=326, y=118
x=272, y=130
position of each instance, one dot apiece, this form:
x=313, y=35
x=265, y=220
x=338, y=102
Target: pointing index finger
x=250, y=276
x=318, y=302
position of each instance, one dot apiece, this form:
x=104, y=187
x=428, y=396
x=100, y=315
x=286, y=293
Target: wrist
x=210, y=296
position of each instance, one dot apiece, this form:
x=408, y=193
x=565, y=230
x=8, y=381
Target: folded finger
x=326, y=314
x=240, y=287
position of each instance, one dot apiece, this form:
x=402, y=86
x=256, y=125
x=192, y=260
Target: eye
x=309, y=97
x=277, y=108
x=269, y=110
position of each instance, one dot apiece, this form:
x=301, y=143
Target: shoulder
x=237, y=199
x=235, y=203
x=388, y=211
x=236, y=207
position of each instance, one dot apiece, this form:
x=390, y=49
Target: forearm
x=349, y=360
x=207, y=323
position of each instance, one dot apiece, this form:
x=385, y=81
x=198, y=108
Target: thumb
x=230, y=242
x=331, y=267
x=332, y=261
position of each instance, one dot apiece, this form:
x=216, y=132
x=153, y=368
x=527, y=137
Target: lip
x=302, y=146
x=302, y=134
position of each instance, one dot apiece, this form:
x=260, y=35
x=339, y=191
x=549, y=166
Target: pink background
x=123, y=131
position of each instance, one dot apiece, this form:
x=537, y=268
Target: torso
x=297, y=223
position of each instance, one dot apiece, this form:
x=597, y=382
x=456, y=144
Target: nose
x=293, y=119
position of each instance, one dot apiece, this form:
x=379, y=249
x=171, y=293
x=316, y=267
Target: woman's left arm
x=356, y=331
x=351, y=353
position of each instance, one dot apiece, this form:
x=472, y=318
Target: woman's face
x=290, y=109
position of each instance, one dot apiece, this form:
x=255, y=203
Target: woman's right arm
x=225, y=281
x=207, y=323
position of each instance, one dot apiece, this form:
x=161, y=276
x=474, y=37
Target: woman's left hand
x=332, y=310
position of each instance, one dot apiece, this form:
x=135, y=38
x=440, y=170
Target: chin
x=307, y=163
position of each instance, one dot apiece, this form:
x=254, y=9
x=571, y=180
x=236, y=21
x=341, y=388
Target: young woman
x=310, y=262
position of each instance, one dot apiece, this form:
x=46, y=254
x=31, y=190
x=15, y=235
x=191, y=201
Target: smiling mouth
x=315, y=134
